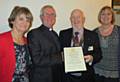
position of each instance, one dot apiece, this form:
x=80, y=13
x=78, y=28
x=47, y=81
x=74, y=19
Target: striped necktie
x=76, y=40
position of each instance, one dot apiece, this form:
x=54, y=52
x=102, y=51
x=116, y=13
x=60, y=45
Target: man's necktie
x=76, y=43
x=76, y=40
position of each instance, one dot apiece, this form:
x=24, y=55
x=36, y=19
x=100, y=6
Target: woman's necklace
x=18, y=39
x=106, y=31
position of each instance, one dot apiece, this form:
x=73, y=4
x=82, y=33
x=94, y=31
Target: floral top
x=22, y=63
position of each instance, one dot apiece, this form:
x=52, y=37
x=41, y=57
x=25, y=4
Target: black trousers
x=72, y=78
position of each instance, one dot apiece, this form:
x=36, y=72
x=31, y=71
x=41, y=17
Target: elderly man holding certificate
x=81, y=50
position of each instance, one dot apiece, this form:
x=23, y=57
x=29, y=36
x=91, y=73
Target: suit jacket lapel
x=56, y=40
x=70, y=35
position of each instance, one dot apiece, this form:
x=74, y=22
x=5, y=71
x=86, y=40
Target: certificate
x=74, y=59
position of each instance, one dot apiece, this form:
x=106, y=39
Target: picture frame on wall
x=116, y=6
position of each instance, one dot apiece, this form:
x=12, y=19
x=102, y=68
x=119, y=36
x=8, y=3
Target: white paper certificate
x=74, y=59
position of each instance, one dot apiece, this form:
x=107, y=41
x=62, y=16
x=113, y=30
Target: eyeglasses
x=47, y=14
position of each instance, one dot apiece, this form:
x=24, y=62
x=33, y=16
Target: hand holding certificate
x=74, y=59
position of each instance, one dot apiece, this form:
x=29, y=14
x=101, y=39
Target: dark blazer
x=44, y=48
x=90, y=39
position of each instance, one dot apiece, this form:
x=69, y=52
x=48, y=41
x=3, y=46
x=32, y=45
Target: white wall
x=63, y=9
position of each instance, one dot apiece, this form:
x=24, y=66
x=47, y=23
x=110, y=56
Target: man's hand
x=88, y=58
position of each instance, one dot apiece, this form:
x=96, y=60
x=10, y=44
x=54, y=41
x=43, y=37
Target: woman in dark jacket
x=107, y=69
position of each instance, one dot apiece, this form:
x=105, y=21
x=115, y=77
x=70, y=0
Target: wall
x=117, y=19
x=63, y=9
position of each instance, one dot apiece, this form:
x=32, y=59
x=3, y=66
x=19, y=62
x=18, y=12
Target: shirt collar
x=76, y=30
x=47, y=28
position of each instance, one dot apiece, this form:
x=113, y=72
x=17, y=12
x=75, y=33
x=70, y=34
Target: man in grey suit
x=44, y=48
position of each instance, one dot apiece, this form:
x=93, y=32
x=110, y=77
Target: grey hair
x=43, y=8
x=79, y=10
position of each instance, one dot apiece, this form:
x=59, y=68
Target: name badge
x=90, y=48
